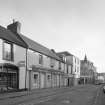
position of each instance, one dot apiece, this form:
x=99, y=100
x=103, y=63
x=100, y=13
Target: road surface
x=78, y=95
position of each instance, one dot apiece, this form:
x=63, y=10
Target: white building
x=75, y=62
x=12, y=61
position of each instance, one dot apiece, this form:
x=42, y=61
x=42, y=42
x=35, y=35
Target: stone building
x=87, y=71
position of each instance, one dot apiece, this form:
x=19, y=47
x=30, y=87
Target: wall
x=33, y=59
x=76, y=67
x=44, y=82
x=19, y=60
x=1, y=50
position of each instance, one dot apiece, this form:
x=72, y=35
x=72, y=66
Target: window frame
x=52, y=62
x=11, y=51
x=60, y=65
x=40, y=59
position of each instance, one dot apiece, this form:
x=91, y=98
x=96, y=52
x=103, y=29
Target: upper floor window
x=59, y=65
x=75, y=69
x=8, y=51
x=52, y=62
x=75, y=60
x=40, y=59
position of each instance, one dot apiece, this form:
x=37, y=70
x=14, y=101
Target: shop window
x=40, y=59
x=8, y=51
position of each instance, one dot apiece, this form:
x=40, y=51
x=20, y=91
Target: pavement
x=100, y=99
x=78, y=95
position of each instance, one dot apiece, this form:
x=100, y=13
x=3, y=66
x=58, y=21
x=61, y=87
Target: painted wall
x=76, y=65
x=62, y=66
x=19, y=60
x=65, y=68
x=1, y=50
x=34, y=82
x=69, y=69
x=33, y=59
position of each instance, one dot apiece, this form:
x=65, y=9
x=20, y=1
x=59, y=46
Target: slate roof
x=9, y=36
x=39, y=48
x=66, y=53
x=25, y=42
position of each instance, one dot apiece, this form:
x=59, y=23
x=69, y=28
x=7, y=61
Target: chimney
x=15, y=27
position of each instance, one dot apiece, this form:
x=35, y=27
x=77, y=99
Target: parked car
x=104, y=88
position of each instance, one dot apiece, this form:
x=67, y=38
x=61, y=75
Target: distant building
x=75, y=65
x=87, y=71
x=101, y=77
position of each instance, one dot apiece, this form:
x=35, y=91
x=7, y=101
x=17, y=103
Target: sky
x=76, y=26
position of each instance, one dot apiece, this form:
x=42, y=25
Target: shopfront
x=8, y=77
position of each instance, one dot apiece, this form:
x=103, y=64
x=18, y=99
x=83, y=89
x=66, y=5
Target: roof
x=66, y=53
x=38, y=47
x=9, y=36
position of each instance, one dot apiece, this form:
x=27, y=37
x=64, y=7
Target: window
x=75, y=69
x=59, y=65
x=52, y=62
x=40, y=59
x=8, y=51
x=48, y=78
x=35, y=78
x=75, y=60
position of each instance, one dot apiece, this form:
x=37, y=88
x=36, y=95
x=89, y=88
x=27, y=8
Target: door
x=42, y=80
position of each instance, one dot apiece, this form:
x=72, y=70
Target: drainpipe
x=59, y=81
x=6, y=86
x=26, y=72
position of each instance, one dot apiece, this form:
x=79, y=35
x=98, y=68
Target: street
x=78, y=95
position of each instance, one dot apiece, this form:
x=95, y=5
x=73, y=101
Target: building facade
x=100, y=78
x=25, y=64
x=12, y=61
x=75, y=66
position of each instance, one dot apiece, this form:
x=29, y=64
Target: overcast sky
x=77, y=26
